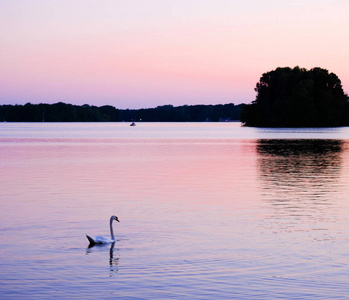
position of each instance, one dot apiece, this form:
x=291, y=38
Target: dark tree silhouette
x=297, y=98
x=62, y=112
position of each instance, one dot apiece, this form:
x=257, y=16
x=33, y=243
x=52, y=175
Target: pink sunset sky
x=145, y=53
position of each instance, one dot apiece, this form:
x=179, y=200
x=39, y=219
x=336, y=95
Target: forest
x=298, y=98
x=62, y=112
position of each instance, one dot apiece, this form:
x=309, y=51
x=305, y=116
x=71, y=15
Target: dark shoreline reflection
x=299, y=179
x=288, y=158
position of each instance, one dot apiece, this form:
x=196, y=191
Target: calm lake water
x=207, y=211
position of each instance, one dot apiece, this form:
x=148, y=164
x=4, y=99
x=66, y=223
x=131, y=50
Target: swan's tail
x=91, y=240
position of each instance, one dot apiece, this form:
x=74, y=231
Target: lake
x=206, y=210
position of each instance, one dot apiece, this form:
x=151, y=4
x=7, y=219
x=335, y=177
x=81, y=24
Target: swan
x=98, y=240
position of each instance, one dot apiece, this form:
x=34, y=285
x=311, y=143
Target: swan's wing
x=103, y=240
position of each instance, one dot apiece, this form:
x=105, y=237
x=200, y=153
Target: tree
x=297, y=98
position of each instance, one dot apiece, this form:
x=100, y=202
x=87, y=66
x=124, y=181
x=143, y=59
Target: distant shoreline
x=62, y=112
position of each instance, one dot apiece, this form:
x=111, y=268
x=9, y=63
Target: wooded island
x=298, y=98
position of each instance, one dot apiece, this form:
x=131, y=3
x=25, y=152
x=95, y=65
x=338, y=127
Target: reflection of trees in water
x=315, y=161
x=299, y=177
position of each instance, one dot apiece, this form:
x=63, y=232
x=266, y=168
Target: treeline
x=62, y=112
x=297, y=97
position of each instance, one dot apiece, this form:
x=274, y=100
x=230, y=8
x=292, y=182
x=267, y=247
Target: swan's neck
x=111, y=230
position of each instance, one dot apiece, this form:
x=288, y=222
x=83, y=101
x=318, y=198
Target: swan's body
x=98, y=240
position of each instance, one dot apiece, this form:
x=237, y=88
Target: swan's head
x=115, y=218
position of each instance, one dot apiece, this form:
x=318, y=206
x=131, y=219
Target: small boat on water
x=133, y=124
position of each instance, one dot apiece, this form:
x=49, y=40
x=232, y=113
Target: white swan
x=98, y=240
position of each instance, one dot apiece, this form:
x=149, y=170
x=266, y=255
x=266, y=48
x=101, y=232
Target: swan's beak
x=117, y=219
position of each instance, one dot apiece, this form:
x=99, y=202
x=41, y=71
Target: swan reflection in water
x=113, y=261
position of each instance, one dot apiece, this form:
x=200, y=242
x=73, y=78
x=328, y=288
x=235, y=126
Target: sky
x=145, y=53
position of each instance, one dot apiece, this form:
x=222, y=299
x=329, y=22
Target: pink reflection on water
x=181, y=172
